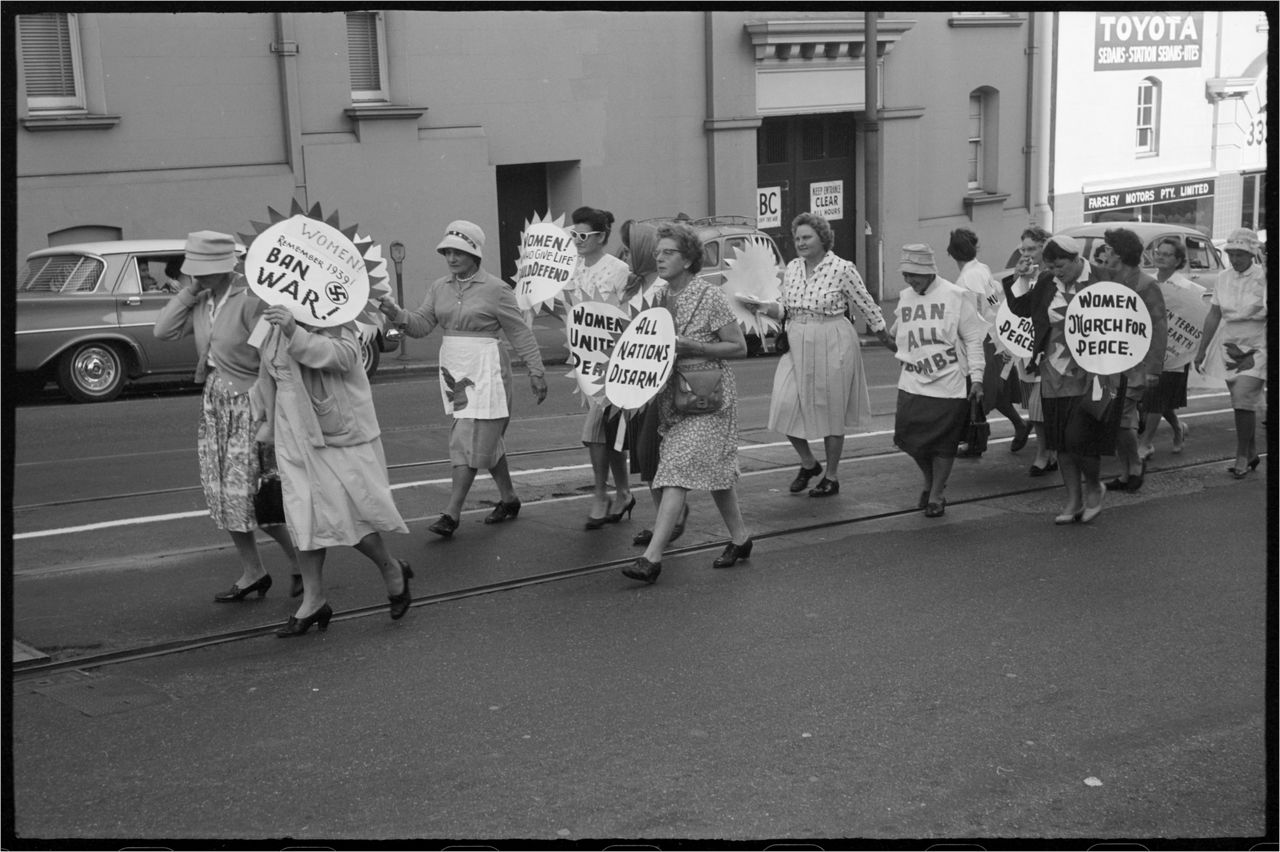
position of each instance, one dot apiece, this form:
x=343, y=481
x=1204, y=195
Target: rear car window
x=61, y=273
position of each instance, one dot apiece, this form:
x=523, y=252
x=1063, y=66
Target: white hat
x=1068, y=244
x=917, y=258
x=1242, y=239
x=209, y=253
x=465, y=237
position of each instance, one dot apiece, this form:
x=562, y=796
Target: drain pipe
x=286, y=47
x=708, y=71
x=871, y=265
x=1042, y=133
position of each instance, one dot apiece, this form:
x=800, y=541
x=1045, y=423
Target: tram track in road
x=26, y=670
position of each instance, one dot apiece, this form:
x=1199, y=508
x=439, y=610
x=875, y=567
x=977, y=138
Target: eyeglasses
x=581, y=236
x=661, y=253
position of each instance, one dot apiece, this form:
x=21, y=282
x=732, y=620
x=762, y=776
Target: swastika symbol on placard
x=336, y=293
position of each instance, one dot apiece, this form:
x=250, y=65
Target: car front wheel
x=92, y=372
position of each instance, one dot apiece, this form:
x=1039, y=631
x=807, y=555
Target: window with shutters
x=51, y=69
x=366, y=55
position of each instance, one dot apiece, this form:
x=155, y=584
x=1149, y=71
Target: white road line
x=180, y=516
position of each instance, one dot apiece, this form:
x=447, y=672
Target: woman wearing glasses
x=699, y=451
x=600, y=277
x=472, y=307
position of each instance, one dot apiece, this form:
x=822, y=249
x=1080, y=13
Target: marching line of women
x=300, y=393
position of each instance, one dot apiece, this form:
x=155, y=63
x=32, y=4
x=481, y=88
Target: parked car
x=85, y=314
x=1204, y=261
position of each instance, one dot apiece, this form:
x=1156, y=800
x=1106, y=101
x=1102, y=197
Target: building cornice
x=806, y=40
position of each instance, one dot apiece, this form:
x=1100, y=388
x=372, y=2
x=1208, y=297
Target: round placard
x=1015, y=332
x=642, y=359
x=547, y=261
x=592, y=330
x=311, y=268
x=1108, y=328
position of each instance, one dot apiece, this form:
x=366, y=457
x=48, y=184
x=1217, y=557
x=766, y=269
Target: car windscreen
x=61, y=273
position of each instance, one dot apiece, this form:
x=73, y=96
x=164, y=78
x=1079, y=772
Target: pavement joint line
x=23, y=670
x=124, y=522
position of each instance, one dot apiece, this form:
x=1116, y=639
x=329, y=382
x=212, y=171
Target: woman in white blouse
x=820, y=389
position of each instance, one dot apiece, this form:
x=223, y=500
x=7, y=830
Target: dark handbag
x=781, y=343
x=268, y=501
x=977, y=431
x=1098, y=409
x=698, y=391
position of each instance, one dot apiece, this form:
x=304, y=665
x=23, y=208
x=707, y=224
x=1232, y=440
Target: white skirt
x=820, y=388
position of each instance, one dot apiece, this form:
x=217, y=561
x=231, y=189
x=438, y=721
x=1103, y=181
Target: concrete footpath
x=983, y=675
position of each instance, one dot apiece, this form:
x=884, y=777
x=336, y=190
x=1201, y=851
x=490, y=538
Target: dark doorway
x=522, y=193
x=799, y=153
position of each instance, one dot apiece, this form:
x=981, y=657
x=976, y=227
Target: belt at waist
x=805, y=316
x=453, y=332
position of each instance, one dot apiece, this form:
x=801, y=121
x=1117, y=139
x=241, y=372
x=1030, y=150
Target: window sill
x=69, y=121
x=382, y=112
x=967, y=21
x=981, y=199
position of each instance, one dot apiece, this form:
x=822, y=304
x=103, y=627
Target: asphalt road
x=890, y=678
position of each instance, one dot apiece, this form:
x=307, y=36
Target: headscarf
x=643, y=239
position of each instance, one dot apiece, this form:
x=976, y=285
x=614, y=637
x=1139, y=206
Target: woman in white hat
x=938, y=338
x=1078, y=436
x=1234, y=344
x=219, y=309
x=472, y=307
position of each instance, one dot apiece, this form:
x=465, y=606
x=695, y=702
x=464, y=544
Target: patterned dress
x=699, y=451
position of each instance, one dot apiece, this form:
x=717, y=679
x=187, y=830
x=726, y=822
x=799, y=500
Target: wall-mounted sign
x=769, y=207
x=1124, y=41
x=1118, y=199
x=826, y=198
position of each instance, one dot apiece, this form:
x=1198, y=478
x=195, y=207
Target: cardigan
x=223, y=339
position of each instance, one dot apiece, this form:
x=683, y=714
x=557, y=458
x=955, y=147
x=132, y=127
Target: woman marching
x=1025, y=270
x=1171, y=392
x=601, y=277
x=938, y=338
x=699, y=451
x=313, y=401
x=219, y=309
x=472, y=307
x=820, y=387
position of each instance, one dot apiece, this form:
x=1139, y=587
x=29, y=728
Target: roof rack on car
x=724, y=220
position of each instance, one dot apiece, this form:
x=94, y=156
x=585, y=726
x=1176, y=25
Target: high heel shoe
x=642, y=538
x=678, y=529
x=503, y=511
x=1090, y=513
x=297, y=626
x=644, y=570
x=400, y=603
x=1181, y=437
x=615, y=517
x=732, y=553
x=295, y=587
x=235, y=593
x=596, y=523
x=1242, y=472
x=1068, y=518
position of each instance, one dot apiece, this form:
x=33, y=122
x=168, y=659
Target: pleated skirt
x=820, y=388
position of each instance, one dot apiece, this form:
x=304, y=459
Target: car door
x=139, y=299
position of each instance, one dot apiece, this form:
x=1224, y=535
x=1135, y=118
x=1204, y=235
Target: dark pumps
x=615, y=517
x=400, y=603
x=936, y=510
x=297, y=626
x=1021, y=433
x=1239, y=473
x=826, y=488
x=503, y=511
x=235, y=593
x=644, y=570
x=445, y=526
x=801, y=482
x=732, y=553
x=598, y=523
x=1036, y=470
x=642, y=538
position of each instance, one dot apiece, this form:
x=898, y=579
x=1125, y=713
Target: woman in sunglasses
x=601, y=277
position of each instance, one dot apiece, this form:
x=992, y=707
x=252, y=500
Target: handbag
x=1099, y=409
x=698, y=391
x=977, y=431
x=781, y=343
x=268, y=500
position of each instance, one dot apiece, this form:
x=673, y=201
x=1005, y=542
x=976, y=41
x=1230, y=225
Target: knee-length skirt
x=699, y=451
x=929, y=425
x=227, y=447
x=1068, y=428
x=820, y=387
